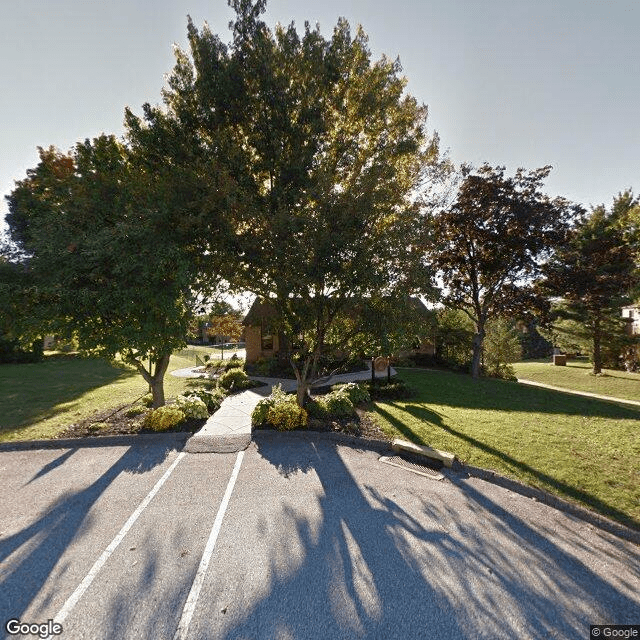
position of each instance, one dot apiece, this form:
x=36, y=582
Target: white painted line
x=84, y=585
x=198, y=581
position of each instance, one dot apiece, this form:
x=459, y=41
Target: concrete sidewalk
x=229, y=428
x=586, y=394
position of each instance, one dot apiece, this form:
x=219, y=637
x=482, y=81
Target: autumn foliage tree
x=492, y=241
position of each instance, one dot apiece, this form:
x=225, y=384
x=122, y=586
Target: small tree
x=492, y=242
x=229, y=326
x=501, y=349
x=594, y=275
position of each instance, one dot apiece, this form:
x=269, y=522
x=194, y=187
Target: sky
x=520, y=83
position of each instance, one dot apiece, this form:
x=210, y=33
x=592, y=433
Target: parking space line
x=84, y=585
x=198, y=581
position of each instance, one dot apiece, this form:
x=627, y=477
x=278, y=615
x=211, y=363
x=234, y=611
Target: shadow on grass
x=559, y=487
x=32, y=392
x=362, y=563
x=461, y=391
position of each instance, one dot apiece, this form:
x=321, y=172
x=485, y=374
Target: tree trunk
x=597, y=352
x=157, y=393
x=302, y=392
x=304, y=377
x=155, y=380
x=478, y=339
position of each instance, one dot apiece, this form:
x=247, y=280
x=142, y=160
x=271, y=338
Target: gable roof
x=260, y=310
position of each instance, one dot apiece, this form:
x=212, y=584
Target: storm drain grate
x=415, y=466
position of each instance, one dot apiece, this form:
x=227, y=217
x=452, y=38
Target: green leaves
x=595, y=273
x=324, y=155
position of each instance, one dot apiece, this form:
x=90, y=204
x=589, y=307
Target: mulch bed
x=361, y=426
x=115, y=422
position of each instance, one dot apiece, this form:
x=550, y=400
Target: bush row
x=281, y=410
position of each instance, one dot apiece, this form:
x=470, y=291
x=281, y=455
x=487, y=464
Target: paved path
x=587, y=394
x=229, y=428
x=298, y=537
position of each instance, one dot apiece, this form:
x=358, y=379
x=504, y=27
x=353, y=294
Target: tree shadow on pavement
x=28, y=557
x=438, y=561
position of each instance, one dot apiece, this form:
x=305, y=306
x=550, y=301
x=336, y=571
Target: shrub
x=287, y=416
x=234, y=363
x=395, y=390
x=337, y=403
x=147, y=400
x=135, y=410
x=270, y=368
x=163, y=418
x=212, y=398
x=234, y=379
x=357, y=393
x=278, y=396
x=316, y=408
x=192, y=407
x=12, y=352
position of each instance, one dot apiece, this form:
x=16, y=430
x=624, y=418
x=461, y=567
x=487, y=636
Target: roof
x=260, y=309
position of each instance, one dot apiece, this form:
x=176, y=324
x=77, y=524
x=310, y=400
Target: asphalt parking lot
x=293, y=538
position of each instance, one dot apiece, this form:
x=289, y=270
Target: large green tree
x=110, y=250
x=594, y=275
x=327, y=153
x=20, y=337
x=492, y=241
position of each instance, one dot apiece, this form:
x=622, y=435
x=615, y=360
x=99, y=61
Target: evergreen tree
x=594, y=276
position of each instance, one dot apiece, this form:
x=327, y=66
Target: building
x=263, y=339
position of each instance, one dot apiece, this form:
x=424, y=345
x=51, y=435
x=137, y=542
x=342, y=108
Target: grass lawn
x=576, y=375
x=201, y=350
x=579, y=448
x=40, y=400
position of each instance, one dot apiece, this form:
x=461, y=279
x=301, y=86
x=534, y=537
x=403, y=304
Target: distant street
x=297, y=537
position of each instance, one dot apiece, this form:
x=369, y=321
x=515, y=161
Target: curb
x=268, y=435
x=217, y=444
x=177, y=439
x=591, y=517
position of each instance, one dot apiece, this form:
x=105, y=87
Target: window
x=267, y=342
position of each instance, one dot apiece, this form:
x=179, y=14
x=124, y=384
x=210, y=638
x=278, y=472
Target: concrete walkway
x=587, y=394
x=229, y=428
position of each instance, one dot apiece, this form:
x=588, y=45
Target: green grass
x=579, y=448
x=576, y=375
x=40, y=400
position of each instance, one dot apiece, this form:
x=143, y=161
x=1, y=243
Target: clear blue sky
x=513, y=82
